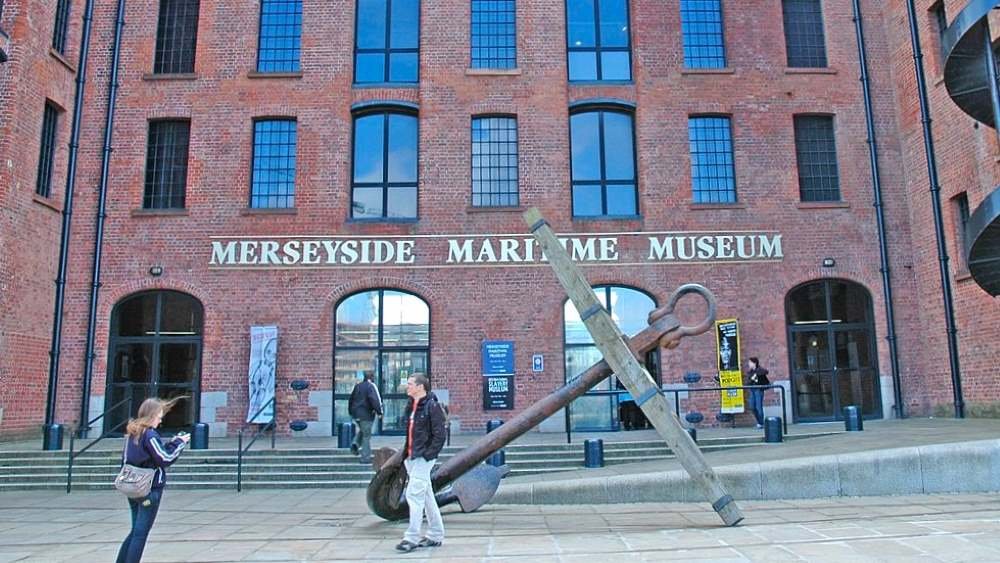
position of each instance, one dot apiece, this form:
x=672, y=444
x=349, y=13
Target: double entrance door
x=832, y=351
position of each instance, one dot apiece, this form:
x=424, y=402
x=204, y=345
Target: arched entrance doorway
x=607, y=406
x=155, y=351
x=831, y=348
x=385, y=332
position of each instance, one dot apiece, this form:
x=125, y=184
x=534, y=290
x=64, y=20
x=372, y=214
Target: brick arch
x=119, y=293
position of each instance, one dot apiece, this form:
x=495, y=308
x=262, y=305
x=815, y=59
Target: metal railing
x=240, y=449
x=781, y=391
x=616, y=393
x=72, y=439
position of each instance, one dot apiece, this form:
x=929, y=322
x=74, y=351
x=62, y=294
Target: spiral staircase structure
x=971, y=77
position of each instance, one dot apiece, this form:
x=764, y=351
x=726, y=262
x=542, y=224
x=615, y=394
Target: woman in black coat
x=757, y=376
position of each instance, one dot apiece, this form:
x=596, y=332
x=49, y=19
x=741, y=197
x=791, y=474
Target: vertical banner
x=263, y=365
x=727, y=342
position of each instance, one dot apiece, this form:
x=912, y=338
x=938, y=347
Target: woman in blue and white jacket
x=144, y=448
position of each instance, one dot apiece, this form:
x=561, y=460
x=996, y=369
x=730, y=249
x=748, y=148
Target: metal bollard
x=52, y=438
x=852, y=419
x=497, y=458
x=346, y=435
x=772, y=430
x=593, y=453
x=693, y=432
x=492, y=425
x=199, y=436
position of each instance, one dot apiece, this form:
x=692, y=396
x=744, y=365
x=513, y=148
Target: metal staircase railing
x=971, y=77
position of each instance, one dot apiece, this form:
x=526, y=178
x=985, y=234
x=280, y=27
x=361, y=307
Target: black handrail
x=781, y=390
x=272, y=426
x=72, y=438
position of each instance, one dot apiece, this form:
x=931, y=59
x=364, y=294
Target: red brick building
x=353, y=173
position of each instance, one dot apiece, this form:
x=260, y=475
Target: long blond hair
x=149, y=410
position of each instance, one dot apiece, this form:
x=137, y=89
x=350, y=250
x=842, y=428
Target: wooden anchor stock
x=385, y=490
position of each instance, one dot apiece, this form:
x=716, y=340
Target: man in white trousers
x=425, y=436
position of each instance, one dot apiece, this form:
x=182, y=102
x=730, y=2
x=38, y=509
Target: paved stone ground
x=326, y=525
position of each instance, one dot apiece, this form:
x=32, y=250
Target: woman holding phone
x=145, y=448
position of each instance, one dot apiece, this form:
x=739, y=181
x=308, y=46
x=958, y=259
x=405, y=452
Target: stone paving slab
x=335, y=525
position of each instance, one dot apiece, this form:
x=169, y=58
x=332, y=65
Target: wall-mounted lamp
x=829, y=262
x=156, y=271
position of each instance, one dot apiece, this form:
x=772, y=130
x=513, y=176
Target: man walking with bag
x=365, y=403
x=425, y=435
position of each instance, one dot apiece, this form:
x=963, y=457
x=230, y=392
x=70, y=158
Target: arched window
x=831, y=348
x=384, y=179
x=602, y=163
x=384, y=332
x=155, y=351
x=607, y=406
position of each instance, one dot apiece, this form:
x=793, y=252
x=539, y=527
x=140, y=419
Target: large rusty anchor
x=474, y=488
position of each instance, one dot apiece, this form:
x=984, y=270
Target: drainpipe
x=95, y=277
x=932, y=176
x=52, y=429
x=883, y=244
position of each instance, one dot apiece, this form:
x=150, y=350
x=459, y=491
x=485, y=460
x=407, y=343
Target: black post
x=932, y=176
x=95, y=275
x=883, y=244
x=74, y=144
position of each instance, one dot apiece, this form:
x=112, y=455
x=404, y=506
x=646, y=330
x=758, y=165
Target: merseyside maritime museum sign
x=443, y=251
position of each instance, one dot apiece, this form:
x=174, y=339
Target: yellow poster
x=727, y=345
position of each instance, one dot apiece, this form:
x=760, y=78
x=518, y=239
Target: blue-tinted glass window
x=274, y=147
x=804, y=40
x=597, y=40
x=387, y=41
x=713, y=176
x=494, y=161
x=816, y=156
x=701, y=26
x=61, y=28
x=494, y=37
x=176, y=36
x=384, y=179
x=280, y=36
x=603, y=164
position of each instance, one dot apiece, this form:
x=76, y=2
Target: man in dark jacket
x=365, y=403
x=425, y=435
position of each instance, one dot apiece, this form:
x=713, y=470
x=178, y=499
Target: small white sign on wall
x=537, y=363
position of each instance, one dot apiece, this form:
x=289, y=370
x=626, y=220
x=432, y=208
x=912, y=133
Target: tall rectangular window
x=280, y=36
x=602, y=165
x=61, y=28
x=701, y=26
x=384, y=179
x=166, y=164
x=494, y=37
x=274, y=146
x=176, y=36
x=47, y=150
x=597, y=40
x=387, y=41
x=961, y=206
x=804, y=40
x=816, y=155
x=938, y=24
x=494, y=161
x=713, y=175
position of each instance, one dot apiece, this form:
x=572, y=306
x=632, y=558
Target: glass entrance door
x=832, y=351
x=155, y=351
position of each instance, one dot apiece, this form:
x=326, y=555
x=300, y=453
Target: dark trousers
x=757, y=404
x=363, y=440
x=143, y=515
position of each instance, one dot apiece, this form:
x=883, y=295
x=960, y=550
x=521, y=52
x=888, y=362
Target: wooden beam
x=611, y=342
